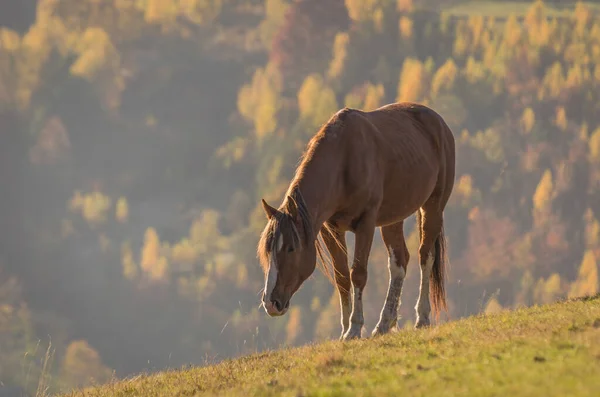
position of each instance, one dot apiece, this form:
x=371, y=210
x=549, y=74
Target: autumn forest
x=138, y=137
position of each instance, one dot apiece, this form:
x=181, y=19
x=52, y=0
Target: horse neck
x=317, y=180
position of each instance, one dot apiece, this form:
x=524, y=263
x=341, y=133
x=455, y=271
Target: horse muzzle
x=276, y=308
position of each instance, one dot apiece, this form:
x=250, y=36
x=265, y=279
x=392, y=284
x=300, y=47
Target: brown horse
x=363, y=170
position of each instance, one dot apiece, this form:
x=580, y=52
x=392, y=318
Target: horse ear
x=292, y=207
x=270, y=211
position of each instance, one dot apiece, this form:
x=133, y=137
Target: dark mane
x=283, y=220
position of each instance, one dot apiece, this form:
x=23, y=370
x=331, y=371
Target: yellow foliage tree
x=490, y=143
x=594, y=144
x=548, y=291
x=82, y=365
x=592, y=230
x=412, y=77
x=374, y=97
x=405, y=26
x=363, y=10
x=553, y=82
x=527, y=120
x=274, y=17
x=9, y=40
x=561, y=118
x=96, y=51
x=404, y=5
x=122, y=210
x=185, y=252
x=466, y=192
x=493, y=306
x=316, y=101
x=444, y=78
x=259, y=101
x=152, y=262
x=582, y=17
x=512, y=31
x=130, y=268
x=474, y=71
x=544, y=192
x=160, y=11
x=93, y=207
x=340, y=53
x=328, y=321
x=587, y=283
x=294, y=325
x=205, y=11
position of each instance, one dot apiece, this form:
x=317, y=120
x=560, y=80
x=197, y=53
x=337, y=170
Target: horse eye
x=290, y=249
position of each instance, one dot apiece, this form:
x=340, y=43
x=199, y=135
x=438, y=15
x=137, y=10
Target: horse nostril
x=287, y=304
x=277, y=304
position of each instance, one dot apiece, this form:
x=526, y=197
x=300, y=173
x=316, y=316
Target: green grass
x=551, y=350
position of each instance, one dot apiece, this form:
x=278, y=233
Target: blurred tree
x=527, y=120
x=444, y=78
x=260, y=101
x=404, y=5
x=340, y=53
x=130, y=268
x=152, y=260
x=308, y=31
x=413, y=81
x=544, y=192
x=587, y=283
x=549, y=290
x=17, y=339
x=82, y=365
x=316, y=101
x=594, y=143
x=294, y=325
x=592, y=230
x=374, y=97
x=493, y=306
x=275, y=11
x=93, y=206
x=122, y=210
x=561, y=118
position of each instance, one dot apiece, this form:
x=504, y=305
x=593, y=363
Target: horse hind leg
x=398, y=256
x=430, y=221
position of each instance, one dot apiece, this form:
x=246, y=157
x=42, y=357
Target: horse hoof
x=352, y=334
x=422, y=324
x=379, y=330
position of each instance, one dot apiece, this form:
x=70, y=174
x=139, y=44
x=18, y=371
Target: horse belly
x=405, y=194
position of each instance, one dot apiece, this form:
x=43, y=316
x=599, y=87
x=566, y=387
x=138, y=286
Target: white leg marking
x=389, y=312
x=423, y=305
x=346, y=310
x=356, y=320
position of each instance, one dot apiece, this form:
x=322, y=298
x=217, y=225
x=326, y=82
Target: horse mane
x=325, y=261
x=283, y=219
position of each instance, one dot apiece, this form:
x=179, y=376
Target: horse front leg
x=335, y=242
x=364, y=238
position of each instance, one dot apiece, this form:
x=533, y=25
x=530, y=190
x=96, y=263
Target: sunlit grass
x=551, y=350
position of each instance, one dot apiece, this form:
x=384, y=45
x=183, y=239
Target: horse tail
x=438, y=289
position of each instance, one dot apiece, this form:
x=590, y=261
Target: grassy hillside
x=551, y=350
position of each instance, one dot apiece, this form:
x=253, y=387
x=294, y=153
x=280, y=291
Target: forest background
x=138, y=136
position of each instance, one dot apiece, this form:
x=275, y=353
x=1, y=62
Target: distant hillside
x=550, y=350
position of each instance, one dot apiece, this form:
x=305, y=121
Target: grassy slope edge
x=550, y=350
